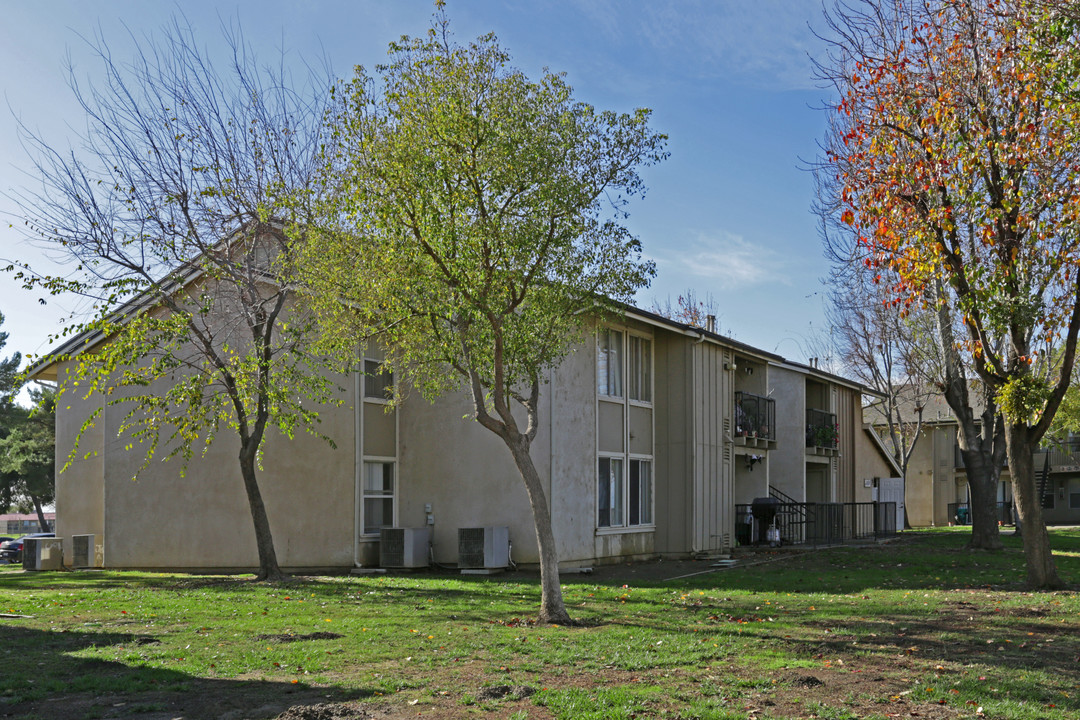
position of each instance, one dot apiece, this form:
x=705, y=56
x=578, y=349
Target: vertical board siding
x=845, y=417
x=711, y=477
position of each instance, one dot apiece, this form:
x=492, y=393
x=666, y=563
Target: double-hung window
x=639, y=498
x=609, y=362
x=378, y=472
x=609, y=492
x=378, y=382
x=639, y=368
x=378, y=496
x=624, y=479
x=624, y=499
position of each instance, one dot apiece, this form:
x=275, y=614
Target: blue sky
x=729, y=81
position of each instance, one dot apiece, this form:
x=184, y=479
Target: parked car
x=11, y=551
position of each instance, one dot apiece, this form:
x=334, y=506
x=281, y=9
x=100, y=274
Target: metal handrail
x=819, y=523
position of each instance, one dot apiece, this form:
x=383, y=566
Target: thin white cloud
x=765, y=42
x=724, y=262
x=605, y=16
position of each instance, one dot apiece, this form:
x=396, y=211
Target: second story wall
x=787, y=464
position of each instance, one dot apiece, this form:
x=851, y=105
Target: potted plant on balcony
x=826, y=435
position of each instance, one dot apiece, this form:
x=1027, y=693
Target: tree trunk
x=1041, y=572
x=982, y=483
x=977, y=444
x=40, y=514
x=552, y=608
x=268, y=564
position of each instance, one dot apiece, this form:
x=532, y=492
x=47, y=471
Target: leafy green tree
x=9, y=414
x=472, y=241
x=27, y=456
x=9, y=377
x=957, y=158
x=174, y=212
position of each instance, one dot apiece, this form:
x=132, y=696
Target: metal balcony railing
x=818, y=523
x=755, y=416
x=1063, y=456
x=821, y=429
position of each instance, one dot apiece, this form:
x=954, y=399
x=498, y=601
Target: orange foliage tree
x=956, y=147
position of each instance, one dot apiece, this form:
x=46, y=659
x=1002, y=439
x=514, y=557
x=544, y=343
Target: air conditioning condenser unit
x=483, y=548
x=84, y=551
x=404, y=547
x=43, y=553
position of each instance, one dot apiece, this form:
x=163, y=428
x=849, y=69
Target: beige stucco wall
x=573, y=470
x=202, y=518
x=462, y=471
x=80, y=488
x=466, y=474
x=162, y=517
x=787, y=463
x=931, y=477
x=869, y=464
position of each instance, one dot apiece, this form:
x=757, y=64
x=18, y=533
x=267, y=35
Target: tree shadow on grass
x=43, y=678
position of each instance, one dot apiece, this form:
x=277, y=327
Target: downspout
x=697, y=539
x=358, y=454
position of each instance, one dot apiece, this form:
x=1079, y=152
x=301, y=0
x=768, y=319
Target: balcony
x=1064, y=457
x=822, y=432
x=755, y=421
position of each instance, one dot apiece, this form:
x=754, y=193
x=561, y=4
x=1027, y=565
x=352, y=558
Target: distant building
x=937, y=489
x=20, y=524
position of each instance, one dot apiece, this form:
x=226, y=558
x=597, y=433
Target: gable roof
x=876, y=441
x=187, y=273
x=46, y=367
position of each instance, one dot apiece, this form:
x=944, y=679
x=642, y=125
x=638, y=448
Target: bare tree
x=174, y=213
x=690, y=308
x=885, y=350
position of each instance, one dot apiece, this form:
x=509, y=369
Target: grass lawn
x=919, y=628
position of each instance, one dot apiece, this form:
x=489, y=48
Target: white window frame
x=622, y=485
x=626, y=457
x=649, y=370
x=649, y=462
x=365, y=376
x=393, y=496
x=605, y=389
x=359, y=496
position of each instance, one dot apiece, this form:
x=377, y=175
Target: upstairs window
x=639, y=372
x=609, y=363
x=378, y=382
